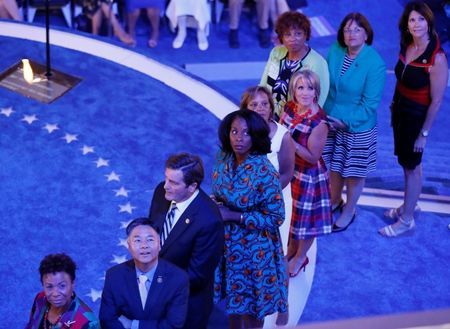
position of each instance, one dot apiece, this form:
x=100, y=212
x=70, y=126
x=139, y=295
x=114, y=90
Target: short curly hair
x=54, y=263
x=292, y=20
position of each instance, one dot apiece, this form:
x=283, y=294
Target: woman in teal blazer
x=357, y=76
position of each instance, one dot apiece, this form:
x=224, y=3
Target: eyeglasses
x=295, y=35
x=255, y=105
x=356, y=30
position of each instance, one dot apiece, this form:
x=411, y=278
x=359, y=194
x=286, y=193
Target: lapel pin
x=187, y=221
x=424, y=61
x=159, y=279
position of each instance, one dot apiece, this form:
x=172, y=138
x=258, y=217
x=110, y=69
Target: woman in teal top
x=357, y=76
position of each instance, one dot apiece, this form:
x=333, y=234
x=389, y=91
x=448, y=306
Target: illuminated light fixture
x=28, y=74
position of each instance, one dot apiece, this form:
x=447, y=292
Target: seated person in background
x=9, y=10
x=262, y=12
x=144, y=292
x=96, y=10
x=277, y=7
x=58, y=306
x=178, y=12
x=153, y=9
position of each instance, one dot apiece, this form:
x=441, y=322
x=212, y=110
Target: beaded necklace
x=298, y=117
x=46, y=321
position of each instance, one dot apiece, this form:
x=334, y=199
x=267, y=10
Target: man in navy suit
x=145, y=292
x=191, y=231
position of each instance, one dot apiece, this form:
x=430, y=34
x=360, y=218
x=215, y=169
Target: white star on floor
x=29, y=118
x=95, y=294
x=87, y=149
x=122, y=192
x=113, y=176
x=119, y=259
x=125, y=224
x=70, y=138
x=50, y=127
x=126, y=208
x=123, y=243
x=6, y=111
x=102, y=162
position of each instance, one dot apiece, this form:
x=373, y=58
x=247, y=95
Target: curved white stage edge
x=211, y=99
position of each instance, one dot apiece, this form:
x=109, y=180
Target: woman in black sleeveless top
x=422, y=74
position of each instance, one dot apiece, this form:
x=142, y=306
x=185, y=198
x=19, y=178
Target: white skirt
x=199, y=9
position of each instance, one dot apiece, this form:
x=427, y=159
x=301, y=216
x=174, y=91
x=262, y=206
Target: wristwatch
x=424, y=133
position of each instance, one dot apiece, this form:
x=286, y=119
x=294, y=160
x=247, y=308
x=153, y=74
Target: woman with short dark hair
x=294, y=54
x=251, y=275
x=357, y=76
x=58, y=306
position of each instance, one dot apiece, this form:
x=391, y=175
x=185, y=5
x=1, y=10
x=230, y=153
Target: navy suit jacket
x=166, y=304
x=195, y=244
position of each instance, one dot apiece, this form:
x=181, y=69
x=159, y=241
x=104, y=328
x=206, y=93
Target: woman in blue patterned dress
x=311, y=205
x=251, y=275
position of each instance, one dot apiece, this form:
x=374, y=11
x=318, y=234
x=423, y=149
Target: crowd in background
x=309, y=130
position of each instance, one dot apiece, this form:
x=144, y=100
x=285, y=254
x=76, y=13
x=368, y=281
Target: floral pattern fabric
x=251, y=275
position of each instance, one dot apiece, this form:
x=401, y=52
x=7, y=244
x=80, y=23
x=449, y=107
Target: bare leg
x=117, y=28
x=413, y=187
x=9, y=10
x=262, y=10
x=96, y=21
x=132, y=18
x=302, y=248
x=399, y=210
x=153, y=15
x=235, y=9
x=355, y=187
x=337, y=185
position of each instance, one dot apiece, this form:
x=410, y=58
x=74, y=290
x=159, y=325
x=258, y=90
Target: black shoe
x=264, y=38
x=338, y=207
x=233, y=39
x=336, y=228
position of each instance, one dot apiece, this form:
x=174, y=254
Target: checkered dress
x=311, y=205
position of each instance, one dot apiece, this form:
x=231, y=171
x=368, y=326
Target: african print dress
x=251, y=275
x=311, y=205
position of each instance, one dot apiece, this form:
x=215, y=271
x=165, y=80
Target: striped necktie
x=168, y=223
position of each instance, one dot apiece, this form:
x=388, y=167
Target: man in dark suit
x=191, y=231
x=145, y=292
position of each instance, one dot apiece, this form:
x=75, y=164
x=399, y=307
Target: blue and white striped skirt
x=351, y=154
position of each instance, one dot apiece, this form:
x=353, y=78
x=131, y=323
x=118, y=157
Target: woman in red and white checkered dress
x=311, y=205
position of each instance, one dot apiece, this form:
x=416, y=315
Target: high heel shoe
x=302, y=267
x=404, y=228
x=336, y=228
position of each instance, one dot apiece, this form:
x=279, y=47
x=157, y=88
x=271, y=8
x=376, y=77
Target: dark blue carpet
x=53, y=198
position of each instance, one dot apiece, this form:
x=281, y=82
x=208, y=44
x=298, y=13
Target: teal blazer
x=354, y=97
